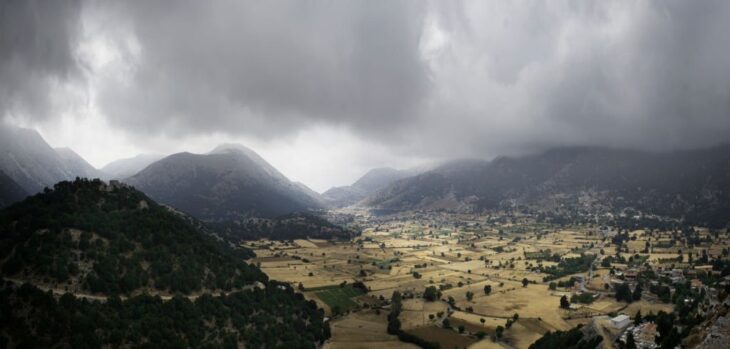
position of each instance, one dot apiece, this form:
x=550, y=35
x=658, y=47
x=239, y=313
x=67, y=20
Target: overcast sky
x=325, y=90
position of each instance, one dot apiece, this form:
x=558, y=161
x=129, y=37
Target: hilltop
x=121, y=270
x=88, y=236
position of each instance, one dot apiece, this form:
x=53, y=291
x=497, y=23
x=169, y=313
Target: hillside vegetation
x=86, y=235
x=131, y=253
x=287, y=227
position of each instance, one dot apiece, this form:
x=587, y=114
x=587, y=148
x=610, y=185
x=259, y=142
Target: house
x=696, y=283
x=621, y=321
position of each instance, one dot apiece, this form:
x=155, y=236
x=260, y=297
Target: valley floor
x=461, y=257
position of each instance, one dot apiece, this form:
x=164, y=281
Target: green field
x=336, y=296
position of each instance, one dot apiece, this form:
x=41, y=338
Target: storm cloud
x=426, y=79
x=37, y=44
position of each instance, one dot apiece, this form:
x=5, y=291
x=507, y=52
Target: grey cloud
x=37, y=40
x=652, y=75
x=436, y=79
x=268, y=67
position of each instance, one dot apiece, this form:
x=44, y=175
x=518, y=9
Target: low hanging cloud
x=37, y=44
x=433, y=79
x=269, y=67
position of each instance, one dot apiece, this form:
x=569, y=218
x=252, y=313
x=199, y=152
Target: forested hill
x=287, y=227
x=91, y=237
x=89, y=265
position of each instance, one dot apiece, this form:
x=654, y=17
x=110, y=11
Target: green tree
x=564, y=303
x=431, y=294
x=499, y=331
x=638, y=319
x=630, y=342
x=487, y=289
x=636, y=295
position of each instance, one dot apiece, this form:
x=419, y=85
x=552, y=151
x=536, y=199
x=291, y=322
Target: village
x=476, y=281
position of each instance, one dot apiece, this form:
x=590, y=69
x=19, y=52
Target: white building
x=620, y=321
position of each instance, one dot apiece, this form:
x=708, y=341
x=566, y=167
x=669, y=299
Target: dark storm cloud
x=270, y=67
x=652, y=75
x=37, y=40
x=438, y=79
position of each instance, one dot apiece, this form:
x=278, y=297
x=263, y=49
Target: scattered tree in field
x=564, y=303
x=499, y=331
x=487, y=289
x=553, y=286
x=525, y=282
x=431, y=294
x=623, y=293
x=469, y=295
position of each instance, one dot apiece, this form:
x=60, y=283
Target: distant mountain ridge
x=228, y=183
x=127, y=167
x=372, y=181
x=28, y=160
x=76, y=165
x=690, y=184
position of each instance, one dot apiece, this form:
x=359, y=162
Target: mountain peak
x=231, y=147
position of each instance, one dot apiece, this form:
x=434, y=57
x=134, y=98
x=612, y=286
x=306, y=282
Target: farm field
x=490, y=277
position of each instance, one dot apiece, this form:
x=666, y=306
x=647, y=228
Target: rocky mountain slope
x=229, y=183
x=10, y=191
x=693, y=185
x=124, y=168
x=371, y=182
x=76, y=165
x=29, y=160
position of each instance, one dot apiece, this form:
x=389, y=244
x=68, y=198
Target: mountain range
x=233, y=183
x=373, y=181
x=693, y=185
x=128, y=167
x=29, y=161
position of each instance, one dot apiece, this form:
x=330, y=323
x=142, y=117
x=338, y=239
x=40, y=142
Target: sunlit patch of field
x=363, y=330
x=305, y=243
x=416, y=313
x=647, y=308
x=533, y=301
